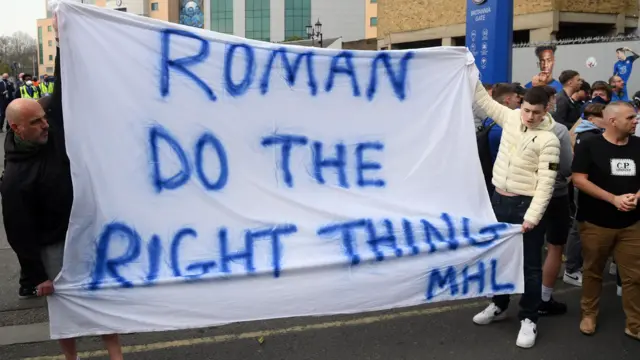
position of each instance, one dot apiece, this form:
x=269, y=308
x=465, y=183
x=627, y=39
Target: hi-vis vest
x=46, y=90
x=25, y=94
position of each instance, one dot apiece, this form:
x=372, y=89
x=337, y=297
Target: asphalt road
x=443, y=331
x=439, y=331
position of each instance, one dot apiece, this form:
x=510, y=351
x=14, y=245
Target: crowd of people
x=25, y=87
x=560, y=158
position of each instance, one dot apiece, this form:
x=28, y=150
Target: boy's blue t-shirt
x=623, y=68
x=554, y=83
x=495, y=134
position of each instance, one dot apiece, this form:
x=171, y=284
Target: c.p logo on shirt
x=623, y=167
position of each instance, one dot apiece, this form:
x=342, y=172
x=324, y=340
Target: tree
x=18, y=48
x=5, y=68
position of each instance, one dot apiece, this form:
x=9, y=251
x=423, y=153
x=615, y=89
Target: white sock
x=546, y=293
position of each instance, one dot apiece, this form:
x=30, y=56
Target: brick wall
x=521, y=7
x=593, y=6
x=407, y=15
x=632, y=7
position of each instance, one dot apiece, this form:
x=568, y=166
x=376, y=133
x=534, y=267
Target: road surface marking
x=132, y=349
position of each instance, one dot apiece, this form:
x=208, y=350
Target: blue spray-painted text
x=385, y=238
x=293, y=62
x=330, y=164
x=108, y=266
x=207, y=141
x=467, y=280
x=120, y=248
x=326, y=158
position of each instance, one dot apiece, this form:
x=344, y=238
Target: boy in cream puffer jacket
x=524, y=174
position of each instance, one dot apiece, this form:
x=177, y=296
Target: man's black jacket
x=36, y=186
x=5, y=99
x=567, y=111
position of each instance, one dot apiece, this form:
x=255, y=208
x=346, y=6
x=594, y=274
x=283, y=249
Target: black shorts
x=557, y=220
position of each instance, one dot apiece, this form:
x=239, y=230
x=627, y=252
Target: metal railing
x=585, y=40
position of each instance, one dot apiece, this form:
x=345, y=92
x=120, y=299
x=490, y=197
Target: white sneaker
x=613, y=269
x=574, y=279
x=527, y=334
x=490, y=314
x=619, y=290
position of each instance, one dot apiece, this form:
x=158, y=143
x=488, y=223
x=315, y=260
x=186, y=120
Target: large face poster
x=546, y=59
x=192, y=13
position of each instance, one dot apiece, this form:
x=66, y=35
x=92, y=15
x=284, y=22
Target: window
x=222, y=16
x=49, y=70
x=373, y=21
x=49, y=28
x=40, y=50
x=297, y=15
x=258, y=20
x=373, y=1
x=154, y=6
x=50, y=57
x=50, y=42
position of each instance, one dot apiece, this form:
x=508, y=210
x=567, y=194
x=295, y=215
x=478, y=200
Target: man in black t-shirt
x=605, y=171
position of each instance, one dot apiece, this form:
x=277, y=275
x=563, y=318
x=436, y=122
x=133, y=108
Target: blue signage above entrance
x=490, y=38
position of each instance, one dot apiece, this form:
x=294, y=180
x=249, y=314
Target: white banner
x=219, y=179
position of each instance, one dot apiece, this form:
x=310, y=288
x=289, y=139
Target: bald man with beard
x=24, y=178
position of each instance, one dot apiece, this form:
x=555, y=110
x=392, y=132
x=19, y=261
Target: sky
x=21, y=15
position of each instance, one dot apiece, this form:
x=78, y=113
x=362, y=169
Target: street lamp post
x=315, y=32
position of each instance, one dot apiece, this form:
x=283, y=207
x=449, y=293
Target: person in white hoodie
x=523, y=175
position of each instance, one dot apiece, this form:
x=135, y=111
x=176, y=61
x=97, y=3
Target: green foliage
x=4, y=68
x=294, y=38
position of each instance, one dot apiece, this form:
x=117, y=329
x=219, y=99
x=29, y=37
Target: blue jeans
x=511, y=209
